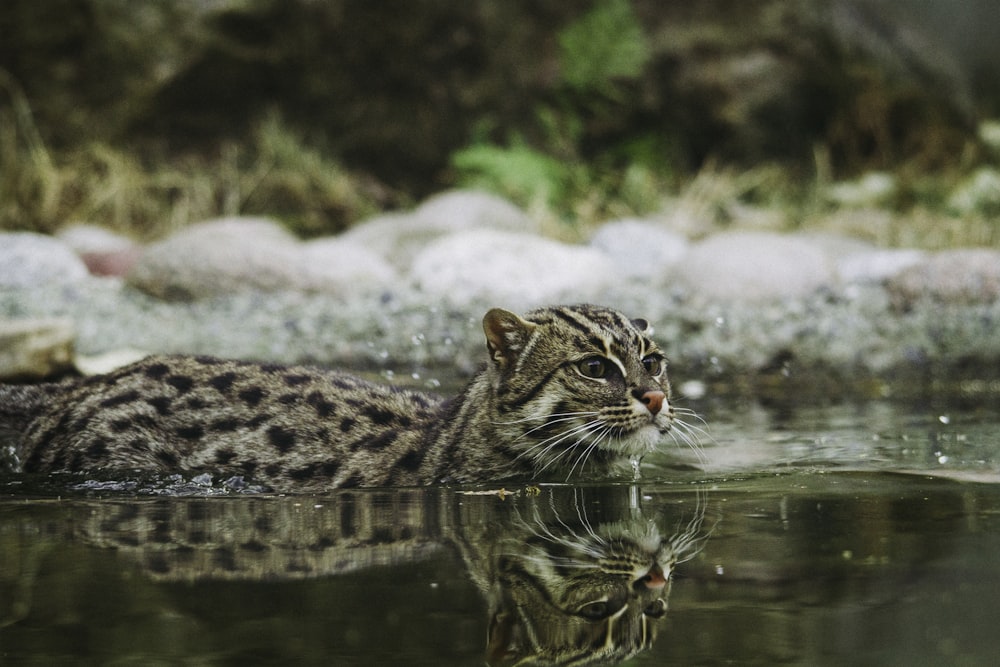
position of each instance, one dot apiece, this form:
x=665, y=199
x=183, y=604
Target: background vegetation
x=146, y=116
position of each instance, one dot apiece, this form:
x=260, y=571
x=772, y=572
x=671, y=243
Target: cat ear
x=642, y=325
x=506, y=335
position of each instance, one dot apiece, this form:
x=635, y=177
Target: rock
x=978, y=194
x=640, y=249
x=875, y=265
x=220, y=257
x=28, y=259
x=104, y=252
x=872, y=190
x=753, y=266
x=492, y=267
x=34, y=349
x=397, y=236
x=963, y=276
x=98, y=364
x=338, y=265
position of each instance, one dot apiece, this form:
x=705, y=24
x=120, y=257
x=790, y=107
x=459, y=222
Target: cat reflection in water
x=568, y=576
x=567, y=591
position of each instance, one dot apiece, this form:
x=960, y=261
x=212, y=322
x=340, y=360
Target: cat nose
x=654, y=579
x=652, y=399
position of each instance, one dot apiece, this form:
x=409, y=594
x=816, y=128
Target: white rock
x=960, y=276
x=979, y=193
x=399, y=236
x=28, y=259
x=335, y=264
x=98, y=364
x=753, y=266
x=872, y=189
x=510, y=270
x=33, y=349
x=875, y=265
x=220, y=257
x=91, y=238
x=104, y=252
x=638, y=248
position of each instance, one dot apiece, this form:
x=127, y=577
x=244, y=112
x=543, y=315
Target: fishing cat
x=565, y=388
x=567, y=575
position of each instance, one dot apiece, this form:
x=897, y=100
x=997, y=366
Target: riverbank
x=403, y=294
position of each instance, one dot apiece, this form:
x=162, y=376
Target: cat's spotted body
x=567, y=389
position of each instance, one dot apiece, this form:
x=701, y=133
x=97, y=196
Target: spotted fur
x=567, y=390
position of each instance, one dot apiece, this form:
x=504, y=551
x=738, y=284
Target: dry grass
x=275, y=174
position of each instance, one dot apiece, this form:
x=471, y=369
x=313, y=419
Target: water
x=863, y=534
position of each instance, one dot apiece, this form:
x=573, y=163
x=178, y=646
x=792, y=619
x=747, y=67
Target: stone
x=639, y=248
x=335, y=264
x=961, y=276
x=516, y=271
x=753, y=266
x=102, y=251
x=98, y=364
x=876, y=265
x=398, y=236
x=219, y=257
x=35, y=349
x=874, y=189
x=979, y=194
x=28, y=259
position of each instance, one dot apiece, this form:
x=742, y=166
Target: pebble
x=753, y=266
x=963, y=276
x=515, y=270
x=28, y=259
x=34, y=349
x=640, y=249
x=219, y=257
x=407, y=292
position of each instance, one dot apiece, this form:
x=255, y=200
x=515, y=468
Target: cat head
x=573, y=593
x=576, y=384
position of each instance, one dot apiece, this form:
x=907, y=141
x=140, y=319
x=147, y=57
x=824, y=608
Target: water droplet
x=635, y=468
x=944, y=419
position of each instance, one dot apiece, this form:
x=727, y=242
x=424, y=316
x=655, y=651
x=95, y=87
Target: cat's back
x=200, y=412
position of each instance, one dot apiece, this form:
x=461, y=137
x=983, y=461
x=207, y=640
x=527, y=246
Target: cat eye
x=653, y=364
x=656, y=609
x=596, y=368
x=597, y=611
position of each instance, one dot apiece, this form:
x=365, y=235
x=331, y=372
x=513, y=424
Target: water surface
x=840, y=535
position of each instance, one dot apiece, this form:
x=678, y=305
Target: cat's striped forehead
x=596, y=330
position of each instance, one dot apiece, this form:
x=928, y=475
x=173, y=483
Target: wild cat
x=565, y=388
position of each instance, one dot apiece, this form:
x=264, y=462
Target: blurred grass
x=146, y=195
x=276, y=173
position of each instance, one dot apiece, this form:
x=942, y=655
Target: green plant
x=604, y=45
x=600, y=53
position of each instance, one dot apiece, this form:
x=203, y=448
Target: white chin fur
x=636, y=443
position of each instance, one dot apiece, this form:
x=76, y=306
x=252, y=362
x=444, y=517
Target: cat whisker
x=687, y=434
x=547, y=445
x=544, y=417
x=572, y=542
x=570, y=416
x=588, y=450
x=693, y=428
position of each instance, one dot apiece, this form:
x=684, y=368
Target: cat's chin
x=636, y=443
